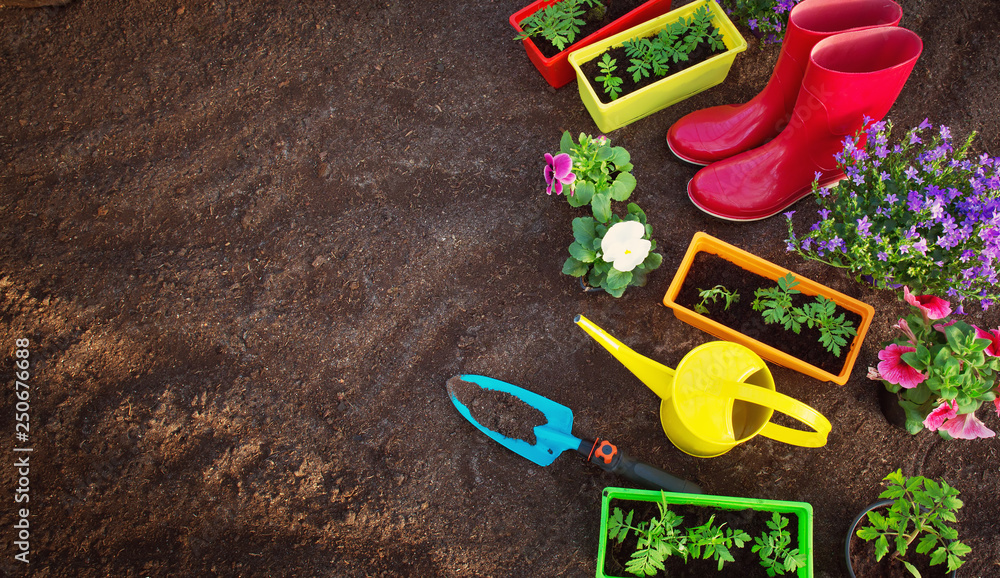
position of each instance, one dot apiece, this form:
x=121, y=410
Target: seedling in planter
x=773, y=548
x=662, y=537
x=561, y=22
x=652, y=56
x=603, y=173
x=922, y=509
x=612, y=84
x=714, y=294
x=775, y=304
x=613, y=256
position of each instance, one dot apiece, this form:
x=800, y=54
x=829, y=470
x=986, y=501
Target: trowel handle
x=611, y=459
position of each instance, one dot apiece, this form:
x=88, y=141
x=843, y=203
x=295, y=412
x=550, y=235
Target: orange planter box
x=703, y=242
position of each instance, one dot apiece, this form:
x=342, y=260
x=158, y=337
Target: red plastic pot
x=557, y=70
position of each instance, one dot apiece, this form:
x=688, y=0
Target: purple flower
x=945, y=132
x=863, y=226
x=557, y=173
x=925, y=124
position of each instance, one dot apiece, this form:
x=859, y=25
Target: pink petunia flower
x=903, y=326
x=932, y=307
x=895, y=370
x=557, y=172
x=967, y=427
x=946, y=410
x=873, y=374
x=996, y=404
x=994, y=336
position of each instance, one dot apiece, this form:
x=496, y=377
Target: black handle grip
x=610, y=458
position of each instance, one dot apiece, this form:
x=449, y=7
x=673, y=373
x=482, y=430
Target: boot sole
x=684, y=158
x=826, y=183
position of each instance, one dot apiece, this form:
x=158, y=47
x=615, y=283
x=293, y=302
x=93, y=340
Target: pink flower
x=903, y=326
x=895, y=370
x=967, y=427
x=996, y=404
x=932, y=307
x=557, y=172
x=875, y=375
x=944, y=411
x=994, y=337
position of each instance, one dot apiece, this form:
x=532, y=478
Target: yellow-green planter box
x=666, y=91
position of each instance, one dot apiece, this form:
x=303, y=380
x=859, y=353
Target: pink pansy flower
x=557, y=172
x=967, y=427
x=946, y=410
x=994, y=336
x=895, y=370
x=931, y=306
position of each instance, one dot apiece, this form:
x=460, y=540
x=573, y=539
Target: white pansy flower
x=624, y=247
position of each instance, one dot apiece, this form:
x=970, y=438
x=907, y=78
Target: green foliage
x=558, y=23
x=603, y=173
x=775, y=305
x=714, y=294
x=652, y=55
x=662, y=536
x=612, y=84
x=773, y=548
x=954, y=360
x=585, y=258
x=922, y=509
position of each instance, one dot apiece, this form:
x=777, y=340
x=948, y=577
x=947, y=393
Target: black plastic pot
x=888, y=402
x=857, y=520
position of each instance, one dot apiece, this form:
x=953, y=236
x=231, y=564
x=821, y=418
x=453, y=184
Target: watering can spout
x=656, y=376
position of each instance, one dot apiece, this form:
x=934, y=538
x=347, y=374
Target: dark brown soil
x=591, y=70
x=708, y=270
x=249, y=242
x=498, y=411
x=615, y=10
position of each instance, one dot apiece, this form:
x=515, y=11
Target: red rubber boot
x=850, y=76
x=719, y=132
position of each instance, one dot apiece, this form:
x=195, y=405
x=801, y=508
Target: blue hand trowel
x=555, y=436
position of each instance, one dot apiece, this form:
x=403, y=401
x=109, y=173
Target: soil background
x=249, y=242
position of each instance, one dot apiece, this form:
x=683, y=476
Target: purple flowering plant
x=601, y=173
x=942, y=370
x=766, y=19
x=916, y=211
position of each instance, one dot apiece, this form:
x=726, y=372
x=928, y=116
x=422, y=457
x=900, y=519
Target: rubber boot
x=850, y=76
x=716, y=133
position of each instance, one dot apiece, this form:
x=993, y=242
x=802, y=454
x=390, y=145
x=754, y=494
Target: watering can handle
x=790, y=407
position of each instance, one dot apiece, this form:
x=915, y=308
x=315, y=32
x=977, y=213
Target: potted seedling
x=551, y=29
x=615, y=255
x=656, y=64
x=910, y=528
x=655, y=533
x=792, y=321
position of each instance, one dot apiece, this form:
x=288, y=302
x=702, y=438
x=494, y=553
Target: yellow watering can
x=720, y=395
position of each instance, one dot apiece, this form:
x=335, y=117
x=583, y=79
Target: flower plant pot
x=666, y=91
x=556, y=69
x=775, y=352
x=741, y=513
x=859, y=555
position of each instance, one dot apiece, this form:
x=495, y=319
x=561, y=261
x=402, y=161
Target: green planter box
x=666, y=91
x=802, y=511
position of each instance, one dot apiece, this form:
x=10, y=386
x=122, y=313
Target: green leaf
x=601, y=205
x=583, y=194
x=566, y=143
x=583, y=230
x=622, y=187
x=652, y=262
x=575, y=267
x=620, y=157
x=618, y=279
x=582, y=253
